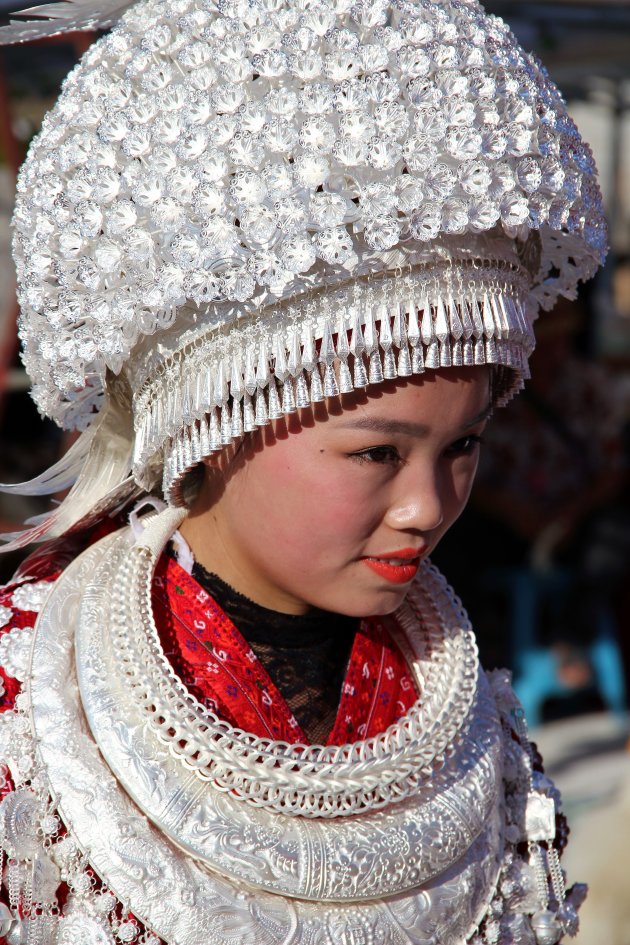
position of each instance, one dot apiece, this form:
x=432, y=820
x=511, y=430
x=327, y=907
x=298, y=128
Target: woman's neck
x=218, y=555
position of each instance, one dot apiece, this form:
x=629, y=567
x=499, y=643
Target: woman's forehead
x=453, y=398
x=439, y=390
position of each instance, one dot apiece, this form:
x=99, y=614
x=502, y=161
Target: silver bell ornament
x=6, y=919
x=18, y=933
x=546, y=927
x=12, y=929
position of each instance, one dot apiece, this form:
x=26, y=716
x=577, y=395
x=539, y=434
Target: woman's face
x=334, y=508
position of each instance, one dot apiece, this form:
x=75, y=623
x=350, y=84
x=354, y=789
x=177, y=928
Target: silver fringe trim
x=224, y=385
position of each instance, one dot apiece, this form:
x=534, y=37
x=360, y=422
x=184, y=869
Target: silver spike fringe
x=221, y=386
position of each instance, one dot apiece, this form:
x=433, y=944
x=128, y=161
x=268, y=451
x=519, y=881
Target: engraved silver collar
x=200, y=865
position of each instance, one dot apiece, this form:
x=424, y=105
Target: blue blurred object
x=536, y=676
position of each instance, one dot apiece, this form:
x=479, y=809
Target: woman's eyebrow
x=385, y=425
x=481, y=416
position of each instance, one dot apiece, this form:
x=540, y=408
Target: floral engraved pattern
x=15, y=649
x=30, y=596
x=137, y=752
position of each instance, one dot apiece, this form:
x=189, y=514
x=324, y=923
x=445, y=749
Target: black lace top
x=306, y=656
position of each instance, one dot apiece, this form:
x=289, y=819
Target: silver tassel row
x=212, y=400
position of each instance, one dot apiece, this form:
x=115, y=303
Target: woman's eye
x=379, y=454
x=465, y=446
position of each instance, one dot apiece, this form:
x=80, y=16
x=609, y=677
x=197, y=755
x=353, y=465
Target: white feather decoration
x=100, y=460
x=58, y=477
x=66, y=16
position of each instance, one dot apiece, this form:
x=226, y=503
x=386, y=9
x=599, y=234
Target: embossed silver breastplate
x=211, y=836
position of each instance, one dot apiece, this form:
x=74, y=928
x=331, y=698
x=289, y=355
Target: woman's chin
x=378, y=604
x=390, y=604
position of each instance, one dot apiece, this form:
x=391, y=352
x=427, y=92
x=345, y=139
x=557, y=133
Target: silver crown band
x=227, y=383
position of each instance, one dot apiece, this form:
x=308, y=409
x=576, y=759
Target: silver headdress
x=243, y=207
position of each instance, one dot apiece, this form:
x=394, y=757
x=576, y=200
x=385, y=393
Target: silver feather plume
x=65, y=16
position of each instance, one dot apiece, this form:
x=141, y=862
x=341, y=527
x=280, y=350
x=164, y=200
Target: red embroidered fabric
x=214, y=660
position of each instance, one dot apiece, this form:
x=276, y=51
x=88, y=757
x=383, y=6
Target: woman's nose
x=418, y=507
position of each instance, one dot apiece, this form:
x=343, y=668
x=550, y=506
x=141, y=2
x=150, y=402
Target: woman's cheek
x=316, y=494
x=464, y=482
x=325, y=517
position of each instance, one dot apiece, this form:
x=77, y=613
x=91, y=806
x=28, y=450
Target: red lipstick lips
x=397, y=567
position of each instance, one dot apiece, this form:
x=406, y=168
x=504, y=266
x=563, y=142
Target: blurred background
x=541, y=558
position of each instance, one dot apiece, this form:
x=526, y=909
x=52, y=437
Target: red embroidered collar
x=215, y=661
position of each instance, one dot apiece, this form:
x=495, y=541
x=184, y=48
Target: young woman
x=282, y=261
